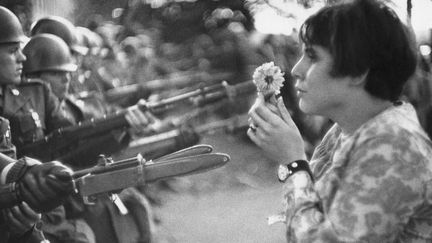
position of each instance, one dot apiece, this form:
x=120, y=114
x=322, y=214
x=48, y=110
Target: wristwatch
x=286, y=170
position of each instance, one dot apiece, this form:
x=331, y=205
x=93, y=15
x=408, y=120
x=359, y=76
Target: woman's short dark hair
x=365, y=36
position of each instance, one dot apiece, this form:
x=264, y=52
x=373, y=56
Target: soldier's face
x=59, y=82
x=11, y=63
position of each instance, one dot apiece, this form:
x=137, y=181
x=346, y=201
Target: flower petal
x=265, y=73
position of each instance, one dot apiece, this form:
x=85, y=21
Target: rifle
x=181, y=137
x=108, y=177
x=157, y=85
x=59, y=141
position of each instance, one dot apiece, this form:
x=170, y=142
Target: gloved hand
x=142, y=122
x=20, y=219
x=45, y=186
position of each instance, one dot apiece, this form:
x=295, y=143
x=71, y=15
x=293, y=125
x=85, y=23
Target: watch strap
x=295, y=166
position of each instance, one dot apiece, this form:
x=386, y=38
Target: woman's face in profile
x=319, y=92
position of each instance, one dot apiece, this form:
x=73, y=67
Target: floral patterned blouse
x=374, y=185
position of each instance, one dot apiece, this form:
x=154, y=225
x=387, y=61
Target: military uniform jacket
x=33, y=111
x=86, y=106
x=85, y=153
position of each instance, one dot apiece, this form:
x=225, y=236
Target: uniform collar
x=13, y=99
x=11, y=89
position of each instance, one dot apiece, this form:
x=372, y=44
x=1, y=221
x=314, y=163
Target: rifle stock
x=57, y=142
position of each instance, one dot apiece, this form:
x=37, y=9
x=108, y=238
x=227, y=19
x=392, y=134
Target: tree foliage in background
x=87, y=11
x=178, y=20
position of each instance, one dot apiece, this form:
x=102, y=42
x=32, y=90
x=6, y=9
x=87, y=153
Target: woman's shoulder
x=396, y=138
x=396, y=123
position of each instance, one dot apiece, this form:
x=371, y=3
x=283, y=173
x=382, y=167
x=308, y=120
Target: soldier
x=30, y=107
x=17, y=224
x=92, y=61
x=64, y=29
x=48, y=58
x=91, y=40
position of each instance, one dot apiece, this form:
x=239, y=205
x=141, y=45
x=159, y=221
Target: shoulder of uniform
x=32, y=81
x=33, y=84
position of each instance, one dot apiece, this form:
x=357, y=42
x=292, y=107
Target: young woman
x=370, y=179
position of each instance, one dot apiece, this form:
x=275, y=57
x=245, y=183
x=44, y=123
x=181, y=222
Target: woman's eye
x=311, y=55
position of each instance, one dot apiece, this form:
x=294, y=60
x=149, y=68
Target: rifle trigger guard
x=88, y=201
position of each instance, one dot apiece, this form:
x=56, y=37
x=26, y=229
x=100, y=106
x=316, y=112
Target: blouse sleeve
x=368, y=200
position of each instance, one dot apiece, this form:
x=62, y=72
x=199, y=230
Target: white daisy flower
x=268, y=78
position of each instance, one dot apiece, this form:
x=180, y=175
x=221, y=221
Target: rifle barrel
x=175, y=82
x=197, y=92
x=48, y=147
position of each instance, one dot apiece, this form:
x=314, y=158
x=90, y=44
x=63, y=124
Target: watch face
x=283, y=172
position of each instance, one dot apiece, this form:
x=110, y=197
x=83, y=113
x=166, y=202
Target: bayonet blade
x=119, y=177
x=184, y=166
x=194, y=150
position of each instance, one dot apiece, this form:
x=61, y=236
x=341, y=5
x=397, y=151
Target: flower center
x=268, y=79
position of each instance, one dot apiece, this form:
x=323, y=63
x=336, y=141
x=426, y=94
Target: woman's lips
x=300, y=92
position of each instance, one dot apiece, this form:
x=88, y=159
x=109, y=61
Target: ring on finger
x=253, y=127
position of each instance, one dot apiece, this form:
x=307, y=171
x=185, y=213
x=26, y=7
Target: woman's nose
x=296, y=71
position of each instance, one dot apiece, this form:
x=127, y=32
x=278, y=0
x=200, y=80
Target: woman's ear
x=359, y=80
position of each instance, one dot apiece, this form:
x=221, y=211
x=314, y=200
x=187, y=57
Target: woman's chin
x=309, y=109
x=304, y=107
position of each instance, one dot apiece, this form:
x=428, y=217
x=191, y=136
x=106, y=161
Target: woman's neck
x=358, y=112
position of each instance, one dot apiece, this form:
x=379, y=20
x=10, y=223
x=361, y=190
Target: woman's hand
x=275, y=133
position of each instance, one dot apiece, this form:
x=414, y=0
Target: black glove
x=45, y=186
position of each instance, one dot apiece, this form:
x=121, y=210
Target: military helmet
x=47, y=52
x=10, y=27
x=89, y=39
x=60, y=27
